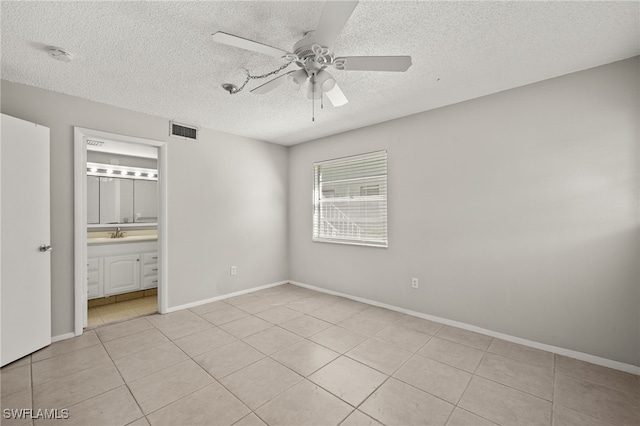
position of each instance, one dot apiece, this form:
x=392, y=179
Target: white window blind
x=350, y=200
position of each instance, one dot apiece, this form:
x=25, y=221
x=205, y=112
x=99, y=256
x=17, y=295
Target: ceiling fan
x=313, y=54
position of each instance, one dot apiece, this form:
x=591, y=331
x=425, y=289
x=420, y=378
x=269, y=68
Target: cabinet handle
x=154, y=269
x=155, y=281
x=155, y=257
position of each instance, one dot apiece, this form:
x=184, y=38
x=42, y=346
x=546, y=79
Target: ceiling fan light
x=298, y=78
x=325, y=80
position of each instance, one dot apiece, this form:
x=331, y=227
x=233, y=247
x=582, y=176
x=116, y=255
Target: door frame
x=80, y=215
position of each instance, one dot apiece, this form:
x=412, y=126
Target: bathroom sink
x=130, y=239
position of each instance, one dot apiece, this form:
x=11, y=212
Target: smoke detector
x=59, y=54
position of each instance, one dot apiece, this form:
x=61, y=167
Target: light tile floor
x=291, y=356
x=119, y=311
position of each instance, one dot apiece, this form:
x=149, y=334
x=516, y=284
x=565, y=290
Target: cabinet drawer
x=93, y=277
x=150, y=270
x=150, y=282
x=93, y=263
x=93, y=291
x=149, y=258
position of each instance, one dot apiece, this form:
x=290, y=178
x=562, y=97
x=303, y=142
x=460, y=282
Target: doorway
x=120, y=250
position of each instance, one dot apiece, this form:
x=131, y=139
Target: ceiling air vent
x=184, y=131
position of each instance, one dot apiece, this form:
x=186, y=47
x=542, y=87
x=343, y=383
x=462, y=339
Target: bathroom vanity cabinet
x=115, y=268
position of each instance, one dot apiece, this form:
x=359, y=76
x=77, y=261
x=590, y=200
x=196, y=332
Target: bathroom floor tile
x=320, y=407
x=348, y=379
x=396, y=403
x=260, y=382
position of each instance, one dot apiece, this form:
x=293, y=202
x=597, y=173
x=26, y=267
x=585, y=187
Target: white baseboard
x=64, y=336
x=224, y=296
x=633, y=369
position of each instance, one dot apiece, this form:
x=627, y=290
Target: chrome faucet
x=118, y=233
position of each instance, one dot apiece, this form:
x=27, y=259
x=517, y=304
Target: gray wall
x=123, y=160
x=227, y=200
x=517, y=211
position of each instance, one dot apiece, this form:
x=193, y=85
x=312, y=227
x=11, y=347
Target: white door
x=25, y=265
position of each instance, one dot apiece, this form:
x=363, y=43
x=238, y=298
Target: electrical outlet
x=233, y=270
x=414, y=282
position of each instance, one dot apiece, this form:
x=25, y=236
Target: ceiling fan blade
x=335, y=15
x=336, y=96
x=271, y=84
x=376, y=63
x=247, y=44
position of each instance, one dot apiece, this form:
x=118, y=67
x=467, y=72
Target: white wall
x=517, y=211
x=227, y=199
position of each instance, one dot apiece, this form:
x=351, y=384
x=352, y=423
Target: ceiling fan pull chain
x=255, y=77
x=313, y=100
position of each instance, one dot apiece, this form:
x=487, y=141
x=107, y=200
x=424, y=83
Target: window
x=350, y=200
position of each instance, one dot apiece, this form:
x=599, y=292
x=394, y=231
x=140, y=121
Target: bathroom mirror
x=116, y=200
x=112, y=200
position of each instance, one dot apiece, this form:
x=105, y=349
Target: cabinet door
x=121, y=273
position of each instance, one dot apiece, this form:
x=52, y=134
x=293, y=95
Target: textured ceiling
x=159, y=57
